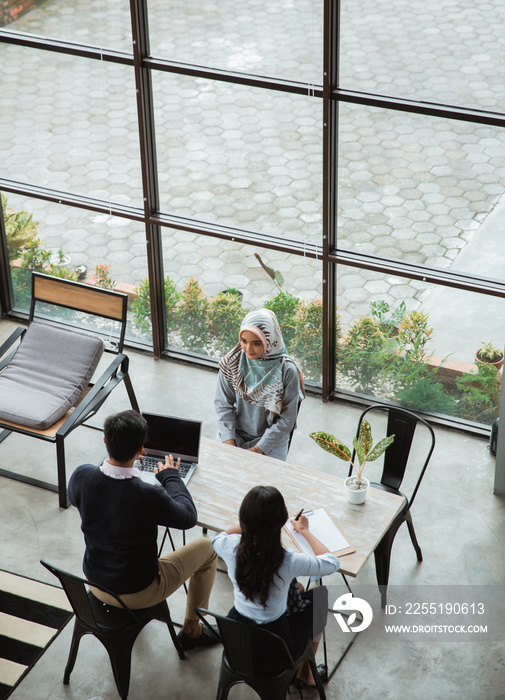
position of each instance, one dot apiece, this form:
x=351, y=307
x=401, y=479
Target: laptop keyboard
x=149, y=463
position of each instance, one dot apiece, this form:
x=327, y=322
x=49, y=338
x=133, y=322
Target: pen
x=298, y=516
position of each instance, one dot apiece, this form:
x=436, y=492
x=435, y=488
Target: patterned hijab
x=260, y=381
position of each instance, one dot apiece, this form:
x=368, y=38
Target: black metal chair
x=116, y=628
x=403, y=424
x=242, y=663
x=46, y=367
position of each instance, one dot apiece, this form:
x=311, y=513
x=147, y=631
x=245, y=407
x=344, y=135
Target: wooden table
x=226, y=473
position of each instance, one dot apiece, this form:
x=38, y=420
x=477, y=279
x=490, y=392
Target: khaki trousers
x=196, y=561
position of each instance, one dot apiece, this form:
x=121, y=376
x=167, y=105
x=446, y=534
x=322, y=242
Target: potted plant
x=356, y=486
x=387, y=318
x=489, y=354
x=59, y=259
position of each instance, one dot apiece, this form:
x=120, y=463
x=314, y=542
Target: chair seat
x=47, y=375
x=109, y=617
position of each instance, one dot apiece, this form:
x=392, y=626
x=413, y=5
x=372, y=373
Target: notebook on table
x=324, y=528
x=167, y=435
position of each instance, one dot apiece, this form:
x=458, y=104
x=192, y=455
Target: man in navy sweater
x=120, y=515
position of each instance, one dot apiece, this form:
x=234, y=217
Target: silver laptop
x=166, y=435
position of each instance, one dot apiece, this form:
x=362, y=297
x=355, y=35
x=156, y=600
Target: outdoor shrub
x=103, y=278
x=225, y=314
x=192, y=321
x=307, y=338
x=20, y=229
x=141, y=306
x=284, y=306
x=480, y=399
x=34, y=257
x=427, y=394
x=361, y=357
x=413, y=334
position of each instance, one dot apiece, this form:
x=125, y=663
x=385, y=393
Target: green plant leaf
x=278, y=278
x=332, y=445
x=365, y=439
x=379, y=448
x=358, y=446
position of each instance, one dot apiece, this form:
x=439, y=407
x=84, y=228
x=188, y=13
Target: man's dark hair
x=124, y=433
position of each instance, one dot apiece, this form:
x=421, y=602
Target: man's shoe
x=206, y=639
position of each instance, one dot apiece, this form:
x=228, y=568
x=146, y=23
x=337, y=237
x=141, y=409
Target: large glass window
x=425, y=50
x=206, y=181
x=415, y=187
x=98, y=249
x=239, y=156
x=421, y=345
x=281, y=39
x=70, y=124
x=82, y=21
x=210, y=285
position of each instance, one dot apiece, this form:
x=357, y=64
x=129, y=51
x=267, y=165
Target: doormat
x=32, y=614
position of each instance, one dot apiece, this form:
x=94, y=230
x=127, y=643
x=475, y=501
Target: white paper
x=323, y=528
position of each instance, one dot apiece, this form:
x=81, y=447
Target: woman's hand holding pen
x=300, y=524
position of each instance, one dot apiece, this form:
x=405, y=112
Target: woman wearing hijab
x=259, y=389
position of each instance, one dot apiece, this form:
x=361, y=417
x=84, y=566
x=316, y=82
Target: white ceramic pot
x=354, y=495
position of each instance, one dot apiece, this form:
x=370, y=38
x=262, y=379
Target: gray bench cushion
x=47, y=375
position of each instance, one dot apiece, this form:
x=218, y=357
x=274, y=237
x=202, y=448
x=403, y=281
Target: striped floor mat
x=31, y=615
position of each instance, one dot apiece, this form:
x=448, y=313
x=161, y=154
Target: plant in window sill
x=365, y=452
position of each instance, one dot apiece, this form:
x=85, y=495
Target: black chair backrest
x=401, y=423
x=76, y=589
x=403, y=426
x=251, y=650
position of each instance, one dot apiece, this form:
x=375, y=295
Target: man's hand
x=168, y=464
x=255, y=449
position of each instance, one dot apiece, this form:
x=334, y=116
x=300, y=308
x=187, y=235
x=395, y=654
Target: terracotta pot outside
x=498, y=364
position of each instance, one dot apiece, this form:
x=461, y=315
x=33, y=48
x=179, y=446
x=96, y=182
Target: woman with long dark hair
x=262, y=571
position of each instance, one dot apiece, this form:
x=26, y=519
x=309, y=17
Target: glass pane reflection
x=416, y=344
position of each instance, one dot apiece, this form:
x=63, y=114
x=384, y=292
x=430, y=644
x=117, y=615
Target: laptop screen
x=176, y=435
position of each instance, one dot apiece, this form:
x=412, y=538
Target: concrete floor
x=459, y=522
